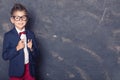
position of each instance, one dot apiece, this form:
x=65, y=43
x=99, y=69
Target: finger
x=22, y=41
x=28, y=40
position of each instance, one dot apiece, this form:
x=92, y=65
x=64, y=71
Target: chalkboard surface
x=78, y=39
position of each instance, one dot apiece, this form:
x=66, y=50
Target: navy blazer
x=16, y=58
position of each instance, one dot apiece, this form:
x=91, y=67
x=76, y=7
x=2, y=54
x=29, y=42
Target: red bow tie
x=22, y=33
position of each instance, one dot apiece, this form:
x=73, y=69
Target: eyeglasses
x=18, y=18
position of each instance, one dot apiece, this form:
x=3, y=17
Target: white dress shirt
x=23, y=37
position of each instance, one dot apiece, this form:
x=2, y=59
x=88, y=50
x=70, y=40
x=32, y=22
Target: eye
x=24, y=17
x=17, y=17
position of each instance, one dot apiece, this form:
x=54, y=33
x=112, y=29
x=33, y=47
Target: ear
x=12, y=20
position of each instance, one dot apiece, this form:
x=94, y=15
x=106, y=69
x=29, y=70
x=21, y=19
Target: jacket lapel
x=16, y=35
x=28, y=35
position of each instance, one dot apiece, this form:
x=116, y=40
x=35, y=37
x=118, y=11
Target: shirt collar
x=19, y=30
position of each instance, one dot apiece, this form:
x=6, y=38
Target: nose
x=20, y=19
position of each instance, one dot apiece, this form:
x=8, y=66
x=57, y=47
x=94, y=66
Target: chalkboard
x=77, y=39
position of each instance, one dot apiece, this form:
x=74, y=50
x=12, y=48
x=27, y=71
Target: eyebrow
x=17, y=16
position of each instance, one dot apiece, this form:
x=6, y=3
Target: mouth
x=20, y=23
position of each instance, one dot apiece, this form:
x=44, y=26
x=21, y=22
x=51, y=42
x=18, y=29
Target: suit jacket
x=16, y=58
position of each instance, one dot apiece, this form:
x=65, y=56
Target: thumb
x=28, y=40
x=22, y=41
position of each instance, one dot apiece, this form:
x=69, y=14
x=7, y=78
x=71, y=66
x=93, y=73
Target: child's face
x=19, y=19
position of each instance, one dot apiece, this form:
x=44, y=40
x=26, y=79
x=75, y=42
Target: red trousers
x=26, y=75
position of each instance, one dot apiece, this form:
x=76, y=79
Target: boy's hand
x=29, y=44
x=20, y=45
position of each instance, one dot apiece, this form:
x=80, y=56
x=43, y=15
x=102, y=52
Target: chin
x=21, y=27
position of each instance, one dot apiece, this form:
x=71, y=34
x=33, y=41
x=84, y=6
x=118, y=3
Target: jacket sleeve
x=9, y=52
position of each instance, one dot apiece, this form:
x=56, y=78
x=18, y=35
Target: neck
x=20, y=30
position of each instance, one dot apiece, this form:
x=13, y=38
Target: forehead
x=19, y=13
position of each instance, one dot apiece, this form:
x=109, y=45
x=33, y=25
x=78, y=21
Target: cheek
x=25, y=22
x=15, y=23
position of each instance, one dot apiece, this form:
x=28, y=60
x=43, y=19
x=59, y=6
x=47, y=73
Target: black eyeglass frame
x=18, y=18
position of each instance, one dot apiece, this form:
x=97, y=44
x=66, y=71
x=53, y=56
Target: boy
x=19, y=46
